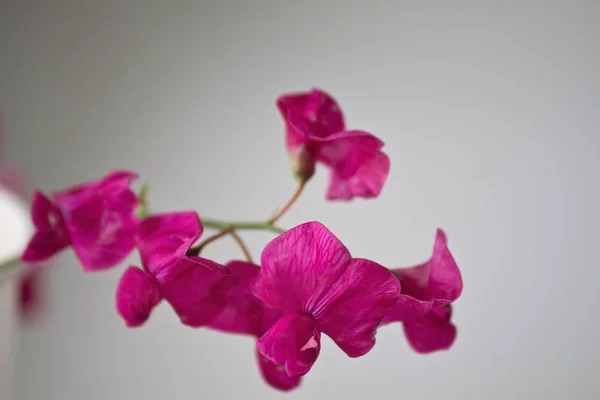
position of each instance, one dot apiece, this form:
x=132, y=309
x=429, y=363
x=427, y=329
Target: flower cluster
x=307, y=283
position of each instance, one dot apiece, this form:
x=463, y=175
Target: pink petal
x=406, y=309
x=354, y=305
x=439, y=279
x=137, y=295
x=367, y=181
x=164, y=239
x=292, y=342
x=100, y=217
x=51, y=235
x=299, y=267
x=244, y=313
x=74, y=196
x=197, y=289
x=432, y=332
x=118, y=179
x=276, y=376
x=346, y=152
x=31, y=293
x=309, y=114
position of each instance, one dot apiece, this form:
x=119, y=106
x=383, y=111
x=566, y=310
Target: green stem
x=241, y=226
x=9, y=264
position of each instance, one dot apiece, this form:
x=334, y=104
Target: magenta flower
x=310, y=276
x=246, y=314
x=31, y=299
x=424, y=306
x=315, y=132
x=96, y=218
x=195, y=287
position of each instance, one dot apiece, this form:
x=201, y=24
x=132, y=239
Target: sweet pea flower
x=311, y=278
x=247, y=315
x=424, y=306
x=194, y=286
x=31, y=293
x=315, y=131
x=95, y=218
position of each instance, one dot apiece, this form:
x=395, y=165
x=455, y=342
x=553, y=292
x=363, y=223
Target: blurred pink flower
x=315, y=131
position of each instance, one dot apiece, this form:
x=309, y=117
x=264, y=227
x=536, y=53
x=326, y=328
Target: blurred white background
x=489, y=111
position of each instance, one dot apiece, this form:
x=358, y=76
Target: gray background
x=489, y=111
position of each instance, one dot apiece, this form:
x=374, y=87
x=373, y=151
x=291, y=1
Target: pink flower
x=195, y=287
x=424, y=306
x=246, y=314
x=315, y=132
x=310, y=276
x=31, y=294
x=95, y=218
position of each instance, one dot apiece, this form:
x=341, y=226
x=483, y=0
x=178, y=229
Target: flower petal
x=432, y=332
x=31, y=293
x=244, y=313
x=276, y=376
x=354, y=306
x=73, y=197
x=406, y=309
x=292, y=342
x=367, y=182
x=438, y=280
x=137, y=295
x=299, y=267
x=309, y=114
x=345, y=152
x=163, y=239
x=51, y=235
x=100, y=217
x=197, y=289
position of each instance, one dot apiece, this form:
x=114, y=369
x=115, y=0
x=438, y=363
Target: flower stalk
x=288, y=204
x=242, y=226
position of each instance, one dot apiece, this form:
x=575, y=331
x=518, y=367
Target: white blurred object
x=15, y=230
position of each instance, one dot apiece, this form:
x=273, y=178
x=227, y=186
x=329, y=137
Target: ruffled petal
x=100, y=217
x=406, y=309
x=275, y=375
x=367, y=182
x=293, y=342
x=431, y=332
x=244, y=312
x=345, y=152
x=438, y=280
x=353, y=307
x=164, y=239
x=137, y=295
x=299, y=267
x=197, y=289
x=51, y=235
x=309, y=114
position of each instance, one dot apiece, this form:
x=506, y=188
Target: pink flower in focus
x=315, y=131
x=246, y=314
x=96, y=218
x=424, y=306
x=310, y=276
x=195, y=287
